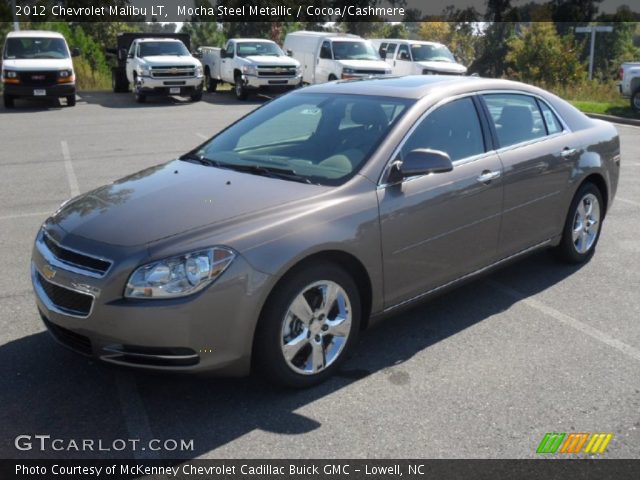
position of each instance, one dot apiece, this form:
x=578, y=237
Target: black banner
x=546, y=469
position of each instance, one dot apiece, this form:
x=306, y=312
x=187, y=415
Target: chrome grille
x=173, y=72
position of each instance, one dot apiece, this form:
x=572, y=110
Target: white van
x=37, y=64
x=325, y=57
x=414, y=57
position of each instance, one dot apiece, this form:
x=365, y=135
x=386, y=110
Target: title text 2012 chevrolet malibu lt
x=275, y=242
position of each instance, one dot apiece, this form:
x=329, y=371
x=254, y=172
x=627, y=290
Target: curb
x=610, y=118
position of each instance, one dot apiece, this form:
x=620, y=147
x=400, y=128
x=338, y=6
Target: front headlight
x=348, y=71
x=249, y=69
x=10, y=74
x=180, y=275
x=64, y=73
x=144, y=72
x=199, y=72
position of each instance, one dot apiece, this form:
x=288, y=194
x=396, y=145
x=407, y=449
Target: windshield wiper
x=274, y=172
x=202, y=160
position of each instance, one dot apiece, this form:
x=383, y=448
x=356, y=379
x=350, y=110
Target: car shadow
x=126, y=100
x=48, y=390
x=31, y=105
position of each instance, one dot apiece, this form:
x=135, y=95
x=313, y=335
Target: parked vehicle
x=250, y=64
x=630, y=83
x=413, y=57
x=327, y=209
x=37, y=64
x=331, y=56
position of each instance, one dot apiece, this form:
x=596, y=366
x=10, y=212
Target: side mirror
x=75, y=52
x=196, y=54
x=404, y=56
x=223, y=53
x=421, y=161
x=122, y=54
x=383, y=54
x=289, y=53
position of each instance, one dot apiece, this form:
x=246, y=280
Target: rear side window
x=550, y=119
x=516, y=117
x=453, y=128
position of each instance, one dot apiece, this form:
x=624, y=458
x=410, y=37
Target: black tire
x=635, y=100
x=119, y=82
x=8, y=101
x=139, y=96
x=332, y=77
x=240, y=90
x=268, y=353
x=71, y=100
x=197, y=96
x=211, y=83
x=568, y=250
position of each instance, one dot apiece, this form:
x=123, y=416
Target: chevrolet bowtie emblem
x=48, y=272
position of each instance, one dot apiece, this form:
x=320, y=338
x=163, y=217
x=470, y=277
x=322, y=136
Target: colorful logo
x=593, y=443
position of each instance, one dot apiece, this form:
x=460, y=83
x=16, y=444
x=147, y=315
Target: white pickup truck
x=163, y=66
x=414, y=57
x=250, y=64
x=630, y=83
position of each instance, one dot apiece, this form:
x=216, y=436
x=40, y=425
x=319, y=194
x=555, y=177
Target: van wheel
x=332, y=77
x=71, y=100
x=308, y=326
x=197, y=96
x=635, y=100
x=582, y=226
x=8, y=101
x=240, y=89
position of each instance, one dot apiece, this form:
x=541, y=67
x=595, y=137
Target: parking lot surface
x=481, y=372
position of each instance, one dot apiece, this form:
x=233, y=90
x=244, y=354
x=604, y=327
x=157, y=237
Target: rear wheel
x=8, y=101
x=119, y=82
x=239, y=88
x=635, y=100
x=211, y=83
x=582, y=226
x=308, y=326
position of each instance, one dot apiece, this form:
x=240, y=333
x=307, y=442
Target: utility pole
x=16, y=25
x=592, y=29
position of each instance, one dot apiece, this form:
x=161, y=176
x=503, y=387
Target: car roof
x=404, y=40
x=151, y=39
x=34, y=33
x=416, y=86
x=241, y=40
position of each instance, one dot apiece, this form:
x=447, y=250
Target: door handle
x=488, y=175
x=567, y=152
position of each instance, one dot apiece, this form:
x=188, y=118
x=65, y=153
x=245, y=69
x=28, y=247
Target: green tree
x=539, y=55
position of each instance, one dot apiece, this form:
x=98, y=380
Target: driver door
x=403, y=64
x=439, y=227
x=130, y=65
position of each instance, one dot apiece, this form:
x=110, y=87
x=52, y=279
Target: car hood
x=364, y=64
x=448, y=67
x=37, y=64
x=282, y=61
x=173, y=198
x=171, y=60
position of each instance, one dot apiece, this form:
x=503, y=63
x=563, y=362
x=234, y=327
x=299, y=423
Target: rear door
x=538, y=153
x=437, y=228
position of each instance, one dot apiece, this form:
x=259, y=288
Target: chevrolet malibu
x=274, y=243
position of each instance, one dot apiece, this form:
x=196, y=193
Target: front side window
x=453, y=128
x=403, y=53
x=317, y=138
x=516, y=117
x=155, y=49
x=325, y=50
x=431, y=53
x=354, y=51
x=35, y=47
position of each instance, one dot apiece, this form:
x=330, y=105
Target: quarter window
x=453, y=128
x=550, y=119
x=516, y=118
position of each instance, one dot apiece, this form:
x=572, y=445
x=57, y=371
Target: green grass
x=618, y=108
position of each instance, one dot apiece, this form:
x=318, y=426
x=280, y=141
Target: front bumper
x=50, y=91
x=263, y=82
x=167, y=86
x=208, y=332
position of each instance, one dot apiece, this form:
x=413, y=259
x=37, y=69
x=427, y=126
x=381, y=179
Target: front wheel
x=582, y=226
x=635, y=100
x=8, y=101
x=308, y=326
x=197, y=96
x=71, y=100
x=137, y=91
x=239, y=88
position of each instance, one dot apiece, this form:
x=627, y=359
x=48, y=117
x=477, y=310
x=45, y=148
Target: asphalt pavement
x=481, y=372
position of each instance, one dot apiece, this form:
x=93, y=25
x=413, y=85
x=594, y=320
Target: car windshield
x=246, y=49
x=354, y=51
x=154, y=49
x=431, y=53
x=35, y=47
x=310, y=137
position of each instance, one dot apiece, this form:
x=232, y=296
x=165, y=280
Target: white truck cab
x=250, y=64
x=630, y=83
x=37, y=64
x=331, y=56
x=163, y=66
x=414, y=57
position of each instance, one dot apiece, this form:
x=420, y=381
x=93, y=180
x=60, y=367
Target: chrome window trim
x=462, y=161
x=69, y=266
x=42, y=295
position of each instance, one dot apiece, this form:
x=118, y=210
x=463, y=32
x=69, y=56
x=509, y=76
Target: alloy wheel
x=586, y=223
